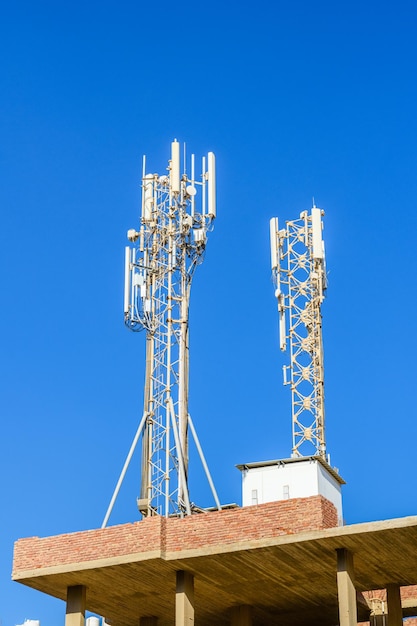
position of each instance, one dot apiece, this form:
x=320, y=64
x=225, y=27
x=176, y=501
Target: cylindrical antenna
x=148, y=197
x=143, y=182
x=317, y=233
x=141, y=238
x=304, y=216
x=175, y=167
x=282, y=329
x=203, y=177
x=211, y=185
x=193, y=184
x=127, y=280
x=273, y=233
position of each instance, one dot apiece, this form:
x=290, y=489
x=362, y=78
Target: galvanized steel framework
x=177, y=212
x=299, y=274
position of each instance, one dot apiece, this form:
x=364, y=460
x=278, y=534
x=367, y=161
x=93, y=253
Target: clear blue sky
x=297, y=99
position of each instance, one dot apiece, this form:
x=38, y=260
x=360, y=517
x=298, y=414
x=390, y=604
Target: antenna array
x=177, y=212
x=299, y=274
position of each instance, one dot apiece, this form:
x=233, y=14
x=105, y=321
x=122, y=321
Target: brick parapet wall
x=114, y=541
x=253, y=522
x=157, y=534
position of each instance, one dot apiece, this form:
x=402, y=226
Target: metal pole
x=124, y=470
x=204, y=463
x=180, y=457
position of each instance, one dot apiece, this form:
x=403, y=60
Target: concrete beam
x=346, y=589
x=75, y=612
x=395, y=612
x=184, y=599
x=241, y=615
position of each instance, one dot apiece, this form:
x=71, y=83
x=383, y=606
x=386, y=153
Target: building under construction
x=284, y=557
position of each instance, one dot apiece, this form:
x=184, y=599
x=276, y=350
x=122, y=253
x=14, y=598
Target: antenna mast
x=177, y=213
x=299, y=274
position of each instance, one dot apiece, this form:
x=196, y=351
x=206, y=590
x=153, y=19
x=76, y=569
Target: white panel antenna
x=177, y=213
x=299, y=273
x=211, y=185
x=273, y=232
x=175, y=167
x=316, y=227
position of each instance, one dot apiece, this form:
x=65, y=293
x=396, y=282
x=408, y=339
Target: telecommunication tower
x=299, y=274
x=178, y=210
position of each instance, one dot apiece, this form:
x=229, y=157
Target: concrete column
x=241, y=615
x=395, y=612
x=75, y=613
x=346, y=589
x=184, y=599
x=148, y=621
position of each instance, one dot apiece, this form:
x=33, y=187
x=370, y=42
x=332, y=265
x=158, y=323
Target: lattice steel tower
x=178, y=210
x=299, y=273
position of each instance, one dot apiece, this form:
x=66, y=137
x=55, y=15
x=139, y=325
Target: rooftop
x=278, y=557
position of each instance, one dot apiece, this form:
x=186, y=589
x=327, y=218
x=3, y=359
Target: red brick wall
x=35, y=552
x=193, y=532
x=253, y=522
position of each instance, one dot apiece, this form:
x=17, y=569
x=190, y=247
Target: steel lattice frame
x=300, y=278
x=168, y=247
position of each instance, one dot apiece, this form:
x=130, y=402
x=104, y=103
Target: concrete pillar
x=75, y=613
x=148, y=621
x=184, y=599
x=346, y=589
x=241, y=615
x=395, y=612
